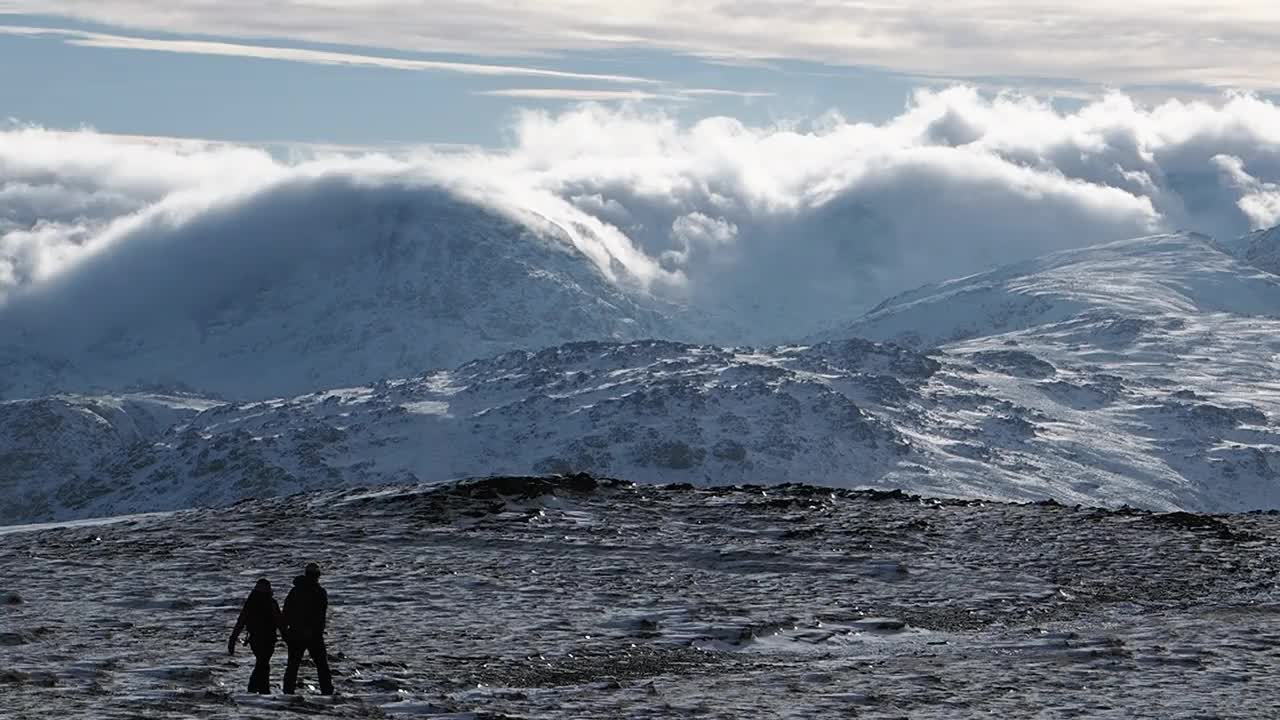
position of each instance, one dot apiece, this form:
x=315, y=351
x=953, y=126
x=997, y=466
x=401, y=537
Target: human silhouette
x=261, y=615
x=305, y=611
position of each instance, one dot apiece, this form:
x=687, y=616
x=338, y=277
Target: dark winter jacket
x=306, y=608
x=261, y=616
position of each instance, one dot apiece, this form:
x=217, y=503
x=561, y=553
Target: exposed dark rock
x=1014, y=362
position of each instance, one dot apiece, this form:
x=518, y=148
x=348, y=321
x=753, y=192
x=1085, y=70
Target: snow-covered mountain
x=1163, y=276
x=651, y=410
x=1139, y=372
x=1260, y=249
x=51, y=445
x=389, y=280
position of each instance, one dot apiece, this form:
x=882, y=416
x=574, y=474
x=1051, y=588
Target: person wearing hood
x=305, y=611
x=261, y=615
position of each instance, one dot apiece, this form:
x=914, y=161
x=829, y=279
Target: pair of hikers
x=301, y=624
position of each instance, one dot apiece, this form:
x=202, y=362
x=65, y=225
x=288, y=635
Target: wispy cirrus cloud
x=1231, y=43
x=597, y=95
x=716, y=92
x=577, y=95
x=304, y=55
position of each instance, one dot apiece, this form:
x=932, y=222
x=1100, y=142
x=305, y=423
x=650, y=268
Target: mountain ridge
x=1138, y=372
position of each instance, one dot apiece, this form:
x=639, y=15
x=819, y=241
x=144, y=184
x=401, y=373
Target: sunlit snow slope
x=1139, y=372
x=1163, y=276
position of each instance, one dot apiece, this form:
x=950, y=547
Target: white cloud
x=781, y=227
x=1259, y=200
x=1224, y=44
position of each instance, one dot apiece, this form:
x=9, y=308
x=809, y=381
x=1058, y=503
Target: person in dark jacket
x=261, y=616
x=305, y=611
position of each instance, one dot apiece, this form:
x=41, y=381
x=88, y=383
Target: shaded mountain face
x=334, y=284
x=1139, y=372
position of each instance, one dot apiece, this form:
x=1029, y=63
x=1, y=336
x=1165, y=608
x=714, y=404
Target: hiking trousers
x=260, y=680
x=315, y=648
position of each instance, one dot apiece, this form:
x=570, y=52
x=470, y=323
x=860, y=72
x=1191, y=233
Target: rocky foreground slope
x=580, y=598
x=1142, y=373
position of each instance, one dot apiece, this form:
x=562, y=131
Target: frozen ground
x=566, y=598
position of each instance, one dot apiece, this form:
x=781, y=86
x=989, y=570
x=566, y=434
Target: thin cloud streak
x=576, y=95
x=302, y=55
x=716, y=92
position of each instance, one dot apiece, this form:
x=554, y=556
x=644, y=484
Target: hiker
x=305, y=609
x=261, y=616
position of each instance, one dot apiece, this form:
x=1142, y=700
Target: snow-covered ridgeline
x=1140, y=372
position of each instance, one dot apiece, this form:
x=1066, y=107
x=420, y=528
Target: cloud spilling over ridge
x=782, y=230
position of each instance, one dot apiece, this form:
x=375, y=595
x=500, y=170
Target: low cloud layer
x=778, y=231
x=1230, y=43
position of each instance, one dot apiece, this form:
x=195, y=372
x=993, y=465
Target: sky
x=393, y=72
x=803, y=160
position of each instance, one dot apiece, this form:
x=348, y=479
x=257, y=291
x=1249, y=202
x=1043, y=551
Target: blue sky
x=312, y=73
x=54, y=83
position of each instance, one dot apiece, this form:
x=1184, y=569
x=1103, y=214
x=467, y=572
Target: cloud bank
x=778, y=231
x=1230, y=43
